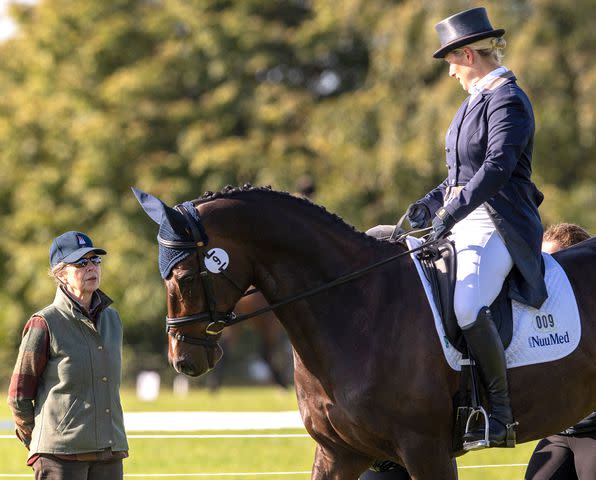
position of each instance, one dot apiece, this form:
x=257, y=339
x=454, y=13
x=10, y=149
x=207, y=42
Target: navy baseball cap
x=70, y=247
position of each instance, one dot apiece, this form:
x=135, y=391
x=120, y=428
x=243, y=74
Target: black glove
x=442, y=224
x=418, y=215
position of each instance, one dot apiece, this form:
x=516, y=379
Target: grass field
x=152, y=456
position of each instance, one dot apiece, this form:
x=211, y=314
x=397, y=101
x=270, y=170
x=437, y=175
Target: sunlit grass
x=228, y=455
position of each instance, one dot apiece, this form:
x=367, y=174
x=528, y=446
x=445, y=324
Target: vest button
x=110, y=442
x=107, y=410
x=104, y=379
x=100, y=347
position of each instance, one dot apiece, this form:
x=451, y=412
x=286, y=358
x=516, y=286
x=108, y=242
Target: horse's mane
x=232, y=192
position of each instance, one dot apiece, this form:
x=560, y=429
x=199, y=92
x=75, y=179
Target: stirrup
x=485, y=443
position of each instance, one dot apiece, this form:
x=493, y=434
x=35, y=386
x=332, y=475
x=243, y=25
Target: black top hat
x=464, y=28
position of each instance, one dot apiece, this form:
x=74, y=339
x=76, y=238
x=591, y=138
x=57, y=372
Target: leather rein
x=219, y=320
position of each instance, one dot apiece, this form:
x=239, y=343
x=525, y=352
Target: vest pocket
x=69, y=416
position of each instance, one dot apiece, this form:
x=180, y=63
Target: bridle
x=217, y=320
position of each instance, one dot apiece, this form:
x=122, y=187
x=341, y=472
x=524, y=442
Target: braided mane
x=232, y=192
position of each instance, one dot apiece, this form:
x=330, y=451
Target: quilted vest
x=77, y=408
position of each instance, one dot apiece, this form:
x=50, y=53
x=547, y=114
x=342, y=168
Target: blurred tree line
x=182, y=96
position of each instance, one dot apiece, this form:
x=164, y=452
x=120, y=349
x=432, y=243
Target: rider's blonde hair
x=487, y=47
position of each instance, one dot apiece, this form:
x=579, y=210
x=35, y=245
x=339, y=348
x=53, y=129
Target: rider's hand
x=442, y=224
x=418, y=215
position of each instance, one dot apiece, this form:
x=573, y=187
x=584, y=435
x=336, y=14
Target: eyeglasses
x=83, y=262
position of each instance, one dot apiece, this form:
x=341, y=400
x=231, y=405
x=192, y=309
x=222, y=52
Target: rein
x=219, y=320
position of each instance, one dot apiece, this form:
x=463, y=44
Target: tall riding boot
x=486, y=347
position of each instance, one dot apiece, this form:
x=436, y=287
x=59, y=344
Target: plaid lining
x=31, y=363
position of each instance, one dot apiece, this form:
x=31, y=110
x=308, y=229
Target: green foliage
x=184, y=96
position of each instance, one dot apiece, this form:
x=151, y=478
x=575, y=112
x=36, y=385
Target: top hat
x=464, y=28
x=70, y=247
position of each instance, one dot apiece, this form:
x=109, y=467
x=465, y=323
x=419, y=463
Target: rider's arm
x=434, y=199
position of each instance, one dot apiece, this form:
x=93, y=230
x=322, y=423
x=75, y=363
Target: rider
x=487, y=204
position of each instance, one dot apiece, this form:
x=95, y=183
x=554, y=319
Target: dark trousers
x=48, y=467
x=563, y=457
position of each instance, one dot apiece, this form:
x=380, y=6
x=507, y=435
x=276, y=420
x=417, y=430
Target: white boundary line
x=240, y=474
x=163, y=475
x=205, y=436
x=239, y=435
x=503, y=465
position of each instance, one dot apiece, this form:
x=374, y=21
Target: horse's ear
x=153, y=206
x=176, y=221
x=159, y=212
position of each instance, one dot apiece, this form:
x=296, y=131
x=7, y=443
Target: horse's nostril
x=186, y=368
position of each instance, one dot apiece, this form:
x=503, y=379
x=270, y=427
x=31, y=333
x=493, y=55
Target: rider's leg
x=486, y=347
x=483, y=264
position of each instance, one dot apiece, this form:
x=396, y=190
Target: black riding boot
x=486, y=347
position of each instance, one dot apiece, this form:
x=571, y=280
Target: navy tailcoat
x=488, y=150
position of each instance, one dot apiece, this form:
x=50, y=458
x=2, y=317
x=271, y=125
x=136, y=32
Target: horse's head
x=202, y=286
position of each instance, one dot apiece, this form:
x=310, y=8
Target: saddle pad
x=539, y=335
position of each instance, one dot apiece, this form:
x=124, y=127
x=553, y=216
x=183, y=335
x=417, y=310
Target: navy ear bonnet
x=173, y=226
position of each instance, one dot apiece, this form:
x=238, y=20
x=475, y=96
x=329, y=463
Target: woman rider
x=487, y=204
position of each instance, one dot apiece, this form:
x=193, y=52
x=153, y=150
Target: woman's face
x=463, y=65
x=84, y=280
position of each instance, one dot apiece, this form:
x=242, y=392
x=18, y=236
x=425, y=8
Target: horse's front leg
x=337, y=464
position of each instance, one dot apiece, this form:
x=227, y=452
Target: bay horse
x=370, y=375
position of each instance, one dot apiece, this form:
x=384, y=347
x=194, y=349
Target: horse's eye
x=186, y=279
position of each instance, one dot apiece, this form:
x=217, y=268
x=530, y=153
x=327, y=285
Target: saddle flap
x=439, y=264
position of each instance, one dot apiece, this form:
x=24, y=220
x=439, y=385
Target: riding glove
x=442, y=224
x=418, y=215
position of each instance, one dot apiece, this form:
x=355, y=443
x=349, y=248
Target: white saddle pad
x=539, y=335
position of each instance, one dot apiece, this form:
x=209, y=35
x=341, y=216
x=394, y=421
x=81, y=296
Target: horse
x=370, y=376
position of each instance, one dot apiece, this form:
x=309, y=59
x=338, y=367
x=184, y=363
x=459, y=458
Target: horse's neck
x=324, y=327
x=296, y=247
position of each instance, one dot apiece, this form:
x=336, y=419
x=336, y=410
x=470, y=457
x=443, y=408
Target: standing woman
x=488, y=202
x=64, y=391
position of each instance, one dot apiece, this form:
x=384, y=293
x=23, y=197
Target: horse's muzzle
x=187, y=368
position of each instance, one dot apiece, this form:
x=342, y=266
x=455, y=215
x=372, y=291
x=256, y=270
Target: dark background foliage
x=182, y=96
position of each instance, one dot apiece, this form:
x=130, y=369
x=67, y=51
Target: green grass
x=228, y=399
x=244, y=454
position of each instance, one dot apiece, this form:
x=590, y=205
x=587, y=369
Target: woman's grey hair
x=54, y=272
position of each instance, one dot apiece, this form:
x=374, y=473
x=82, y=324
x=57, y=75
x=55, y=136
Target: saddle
x=439, y=263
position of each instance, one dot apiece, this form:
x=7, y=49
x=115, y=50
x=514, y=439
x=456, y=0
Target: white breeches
x=483, y=263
